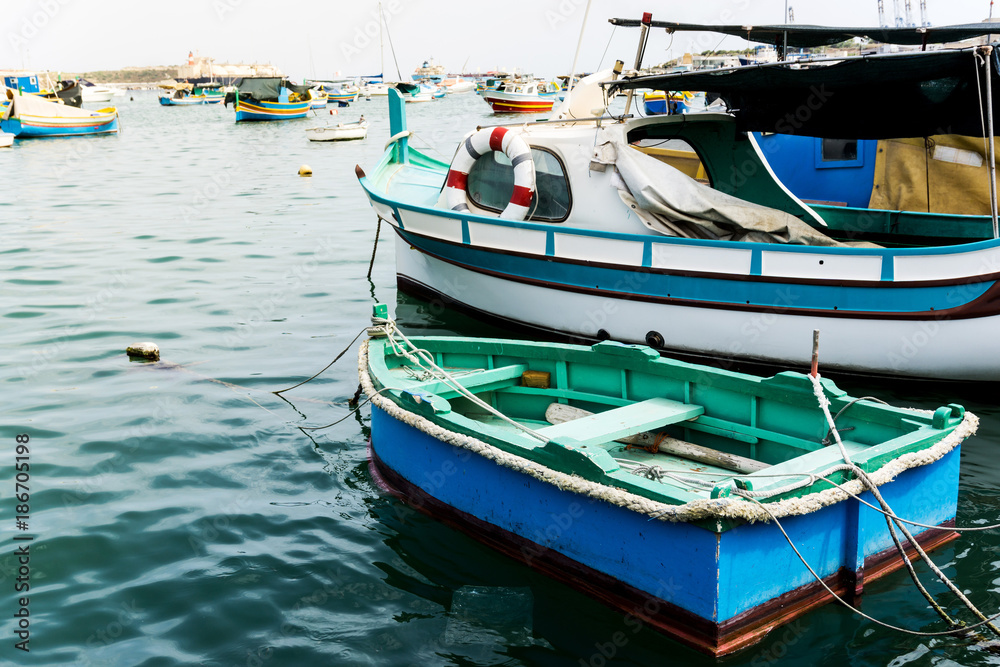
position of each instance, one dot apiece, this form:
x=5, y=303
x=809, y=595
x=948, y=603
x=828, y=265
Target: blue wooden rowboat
x=635, y=498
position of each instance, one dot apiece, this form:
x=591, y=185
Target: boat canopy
x=884, y=96
x=805, y=36
x=267, y=88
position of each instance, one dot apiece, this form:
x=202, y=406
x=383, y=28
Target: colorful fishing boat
x=182, y=94
x=268, y=99
x=28, y=116
x=658, y=102
x=707, y=254
x=655, y=485
x=522, y=97
x=318, y=98
x=343, y=94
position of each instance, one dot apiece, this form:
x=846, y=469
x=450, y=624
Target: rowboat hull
x=658, y=576
x=343, y=97
x=716, y=585
x=197, y=100
x=343, y=132
x=263, y=111
x=26, y=126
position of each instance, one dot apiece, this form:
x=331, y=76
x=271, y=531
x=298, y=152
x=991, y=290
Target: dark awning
x=871, y=97
x=803, y=36
x=260, y=88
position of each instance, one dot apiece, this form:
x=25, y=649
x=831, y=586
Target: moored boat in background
x=28, y=116
x=512, y=96
x=339, y=132
x=268, y=99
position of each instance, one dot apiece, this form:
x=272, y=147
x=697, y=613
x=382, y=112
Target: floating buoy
x=148, y=351
x=305, y=170
x=333, y=112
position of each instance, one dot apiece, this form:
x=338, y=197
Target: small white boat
x=6, y=140
x=339, y=132
x=94, y=93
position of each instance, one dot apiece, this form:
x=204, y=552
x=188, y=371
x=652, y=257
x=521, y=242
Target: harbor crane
x=904, y=19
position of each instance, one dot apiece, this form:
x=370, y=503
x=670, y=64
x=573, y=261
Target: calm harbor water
x=181, y=515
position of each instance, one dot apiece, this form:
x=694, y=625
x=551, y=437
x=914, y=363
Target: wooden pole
x=815, y=359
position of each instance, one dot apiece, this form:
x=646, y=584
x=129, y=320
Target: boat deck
x=629, y=398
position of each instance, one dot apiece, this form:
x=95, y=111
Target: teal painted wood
x=632, y=389
x=397, y=124
x=653, y=413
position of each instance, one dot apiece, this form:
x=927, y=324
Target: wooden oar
x=557, y=413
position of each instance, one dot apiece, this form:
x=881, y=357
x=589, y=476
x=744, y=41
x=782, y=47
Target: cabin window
x=679, y=154
x=839, y=150
x=491, y=184
x=839, y=153
x=33, y=81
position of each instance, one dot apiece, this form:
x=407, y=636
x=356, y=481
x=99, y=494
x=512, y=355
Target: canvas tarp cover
x=33, y=105
x=264, y=88
x=956, y=168
x=672, y=203
x=879, y=97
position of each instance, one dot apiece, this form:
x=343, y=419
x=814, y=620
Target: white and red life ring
x=480, y=143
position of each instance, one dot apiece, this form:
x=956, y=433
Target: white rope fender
x=697, y=510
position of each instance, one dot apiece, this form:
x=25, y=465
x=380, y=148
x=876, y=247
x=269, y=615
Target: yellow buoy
x=305, y=170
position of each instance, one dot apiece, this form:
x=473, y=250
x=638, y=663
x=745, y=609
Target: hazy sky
x=321, y=39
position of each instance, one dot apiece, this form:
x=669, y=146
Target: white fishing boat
x=458, y=85
x=339, y=132
x=93, y=93
x=590, y=225
x=6, y=140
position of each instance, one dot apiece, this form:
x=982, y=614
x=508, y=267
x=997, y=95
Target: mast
x=381, y=49
x=579, y=43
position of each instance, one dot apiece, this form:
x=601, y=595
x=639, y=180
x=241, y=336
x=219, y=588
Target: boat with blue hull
x=30, y=116
x=659, y=487
x=706, y=253
x=269, y=99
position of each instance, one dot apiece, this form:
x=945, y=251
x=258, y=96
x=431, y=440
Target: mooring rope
x=954, y=631
x=890, y=518
x=422, y=358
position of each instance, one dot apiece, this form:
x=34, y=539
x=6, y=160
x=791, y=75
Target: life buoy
x=486, y=140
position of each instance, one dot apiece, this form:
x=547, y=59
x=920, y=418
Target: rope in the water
x=890, y=518
x=335, y=360
x=378, y=228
